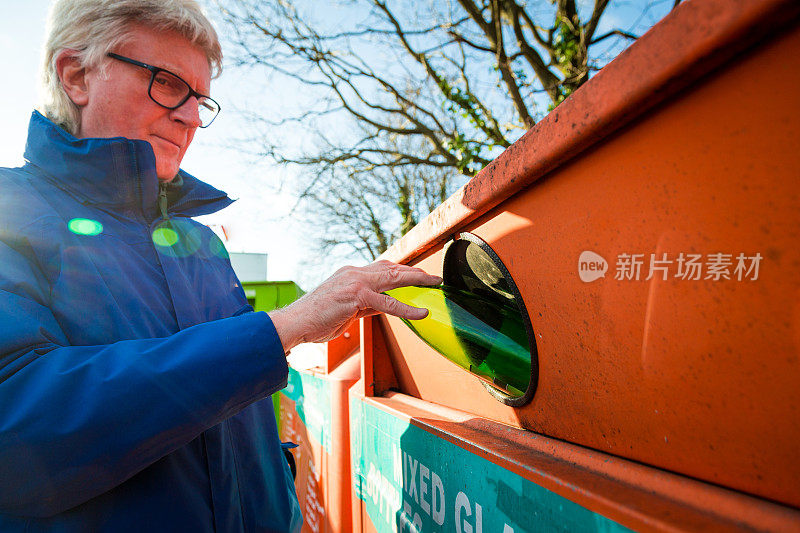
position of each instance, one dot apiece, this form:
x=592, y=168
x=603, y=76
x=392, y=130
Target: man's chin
x=166, y=172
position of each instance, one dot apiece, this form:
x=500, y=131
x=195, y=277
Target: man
x=132, y=371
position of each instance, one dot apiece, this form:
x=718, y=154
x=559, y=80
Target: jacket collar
x=115, y=172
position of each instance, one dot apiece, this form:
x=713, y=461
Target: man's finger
x=387, y=304
x=393, y=276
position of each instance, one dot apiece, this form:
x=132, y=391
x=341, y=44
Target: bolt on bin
x=647, y=231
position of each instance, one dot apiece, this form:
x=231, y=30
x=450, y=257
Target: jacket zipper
x=162, y=199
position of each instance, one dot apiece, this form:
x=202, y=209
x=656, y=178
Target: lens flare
x=165, y=237
x=192, y=240
x=85, y=226
x=216, y=247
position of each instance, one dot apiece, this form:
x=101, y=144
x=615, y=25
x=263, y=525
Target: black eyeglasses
x=171, y=91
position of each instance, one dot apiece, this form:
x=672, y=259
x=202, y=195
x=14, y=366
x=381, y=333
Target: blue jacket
x=133, y=372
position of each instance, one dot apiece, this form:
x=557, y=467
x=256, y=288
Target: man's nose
x=188, y=113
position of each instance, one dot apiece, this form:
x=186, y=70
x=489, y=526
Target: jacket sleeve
x=76, y=421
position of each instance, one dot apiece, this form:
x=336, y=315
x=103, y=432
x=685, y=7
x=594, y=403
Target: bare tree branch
x=396, y=107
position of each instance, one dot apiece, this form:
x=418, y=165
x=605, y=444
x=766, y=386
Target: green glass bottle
x=485, y=336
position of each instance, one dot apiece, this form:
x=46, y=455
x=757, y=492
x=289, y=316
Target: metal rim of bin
x=448, y=275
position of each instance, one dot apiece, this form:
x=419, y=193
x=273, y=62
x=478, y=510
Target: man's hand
x=349, y=294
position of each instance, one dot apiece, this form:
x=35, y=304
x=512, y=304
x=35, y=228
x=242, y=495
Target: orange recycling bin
x=314, y=415
x=647, y=230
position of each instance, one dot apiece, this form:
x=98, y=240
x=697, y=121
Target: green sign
x=411, y=480
x=312, y=401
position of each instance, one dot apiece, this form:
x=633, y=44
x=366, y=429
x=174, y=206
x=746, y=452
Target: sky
x=256, y=222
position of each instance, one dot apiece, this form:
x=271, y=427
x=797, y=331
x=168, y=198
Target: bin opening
x=471, y=265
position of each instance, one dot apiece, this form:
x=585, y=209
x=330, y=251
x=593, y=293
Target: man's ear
x=73, y=77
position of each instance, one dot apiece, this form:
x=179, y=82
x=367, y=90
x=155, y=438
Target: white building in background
x=249, y=267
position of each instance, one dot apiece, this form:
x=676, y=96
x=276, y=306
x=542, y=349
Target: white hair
x=93, y=27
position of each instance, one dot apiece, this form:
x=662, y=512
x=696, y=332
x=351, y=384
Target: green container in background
x=266, y=296
x=269, y=295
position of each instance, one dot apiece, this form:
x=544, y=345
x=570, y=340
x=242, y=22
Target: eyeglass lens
x=171, y=91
